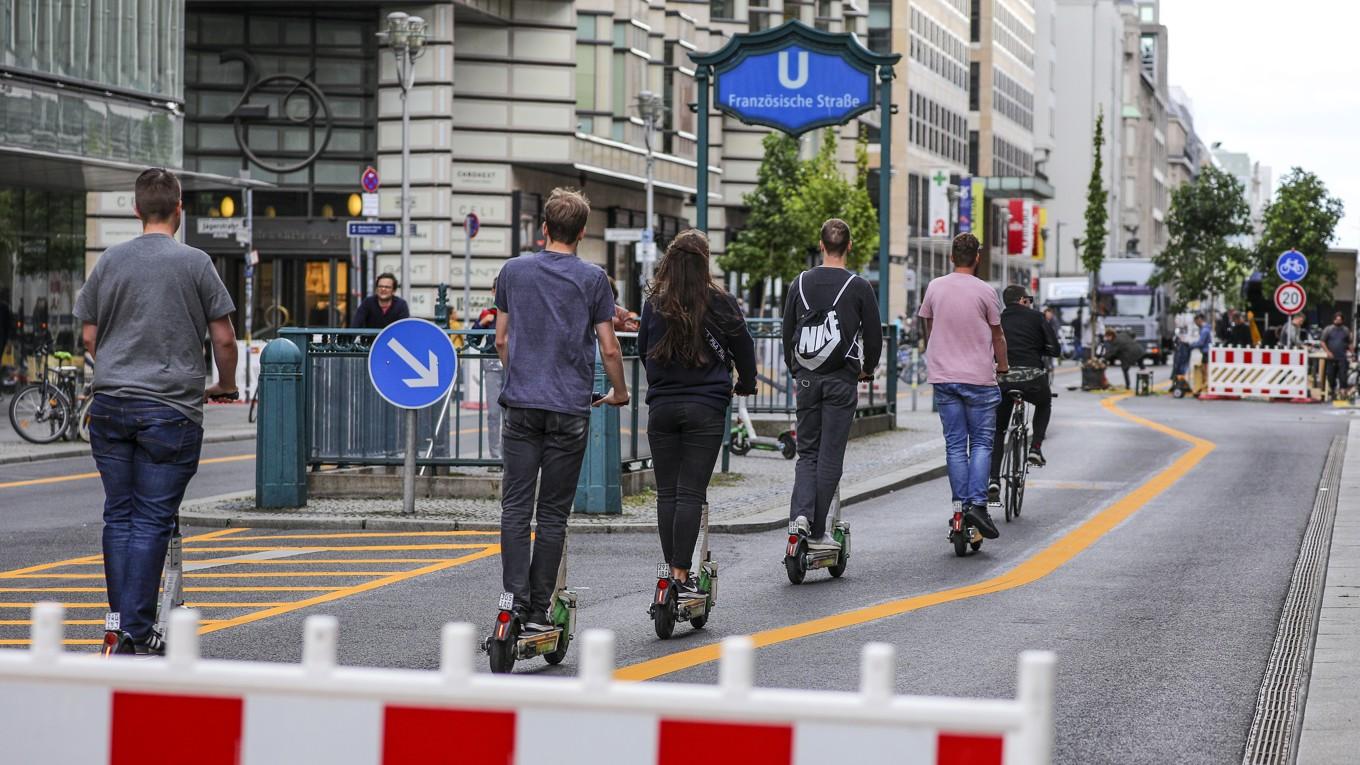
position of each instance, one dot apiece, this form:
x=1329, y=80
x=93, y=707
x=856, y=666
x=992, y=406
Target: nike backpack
x=820, y=345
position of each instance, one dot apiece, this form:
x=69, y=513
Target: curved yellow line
x=1036, y=567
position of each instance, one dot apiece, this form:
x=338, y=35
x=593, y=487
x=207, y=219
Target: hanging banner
x=1015, y=226
x=965, y=206
x=980, y=209
x=1040, y=221
x=939, y=203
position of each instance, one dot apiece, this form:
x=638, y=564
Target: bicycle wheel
x=1005, y=475
x=83, y=419
x=1022, y=470
x=1015, y=479
x=40, y=414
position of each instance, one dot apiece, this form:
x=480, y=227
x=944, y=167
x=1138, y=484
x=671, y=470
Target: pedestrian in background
x=493, y=378
x=691, y=337
x=146, y=422
x=381, y=308
x=832, y=340
x=965, y=351
x=1122, y=349
x=1291, y=334
x=1337, y=344
x=553, y=310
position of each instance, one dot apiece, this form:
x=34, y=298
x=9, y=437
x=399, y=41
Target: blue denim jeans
x=968, y=413
x=146, y=452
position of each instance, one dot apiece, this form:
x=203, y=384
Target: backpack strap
x=842, y=292
x=803, y=295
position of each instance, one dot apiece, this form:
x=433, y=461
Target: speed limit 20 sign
x=1290, y=298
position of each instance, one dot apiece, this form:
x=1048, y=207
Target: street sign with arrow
x=412, y=364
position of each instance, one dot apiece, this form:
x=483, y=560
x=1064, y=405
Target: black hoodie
x=711, y=383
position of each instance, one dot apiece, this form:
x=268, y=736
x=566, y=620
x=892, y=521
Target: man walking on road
x=832, y=339
x=1336, y=342
x=146, y=422
x=552, y=310
x=963, y=339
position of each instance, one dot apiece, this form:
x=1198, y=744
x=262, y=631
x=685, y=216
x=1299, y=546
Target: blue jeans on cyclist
x=968, y=414
x=146, y=452
x=1036, y=392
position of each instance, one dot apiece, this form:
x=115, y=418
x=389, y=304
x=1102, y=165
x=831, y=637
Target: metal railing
x=775, y=386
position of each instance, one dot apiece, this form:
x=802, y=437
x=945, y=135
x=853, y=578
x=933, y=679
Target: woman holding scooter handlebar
x=692, y=335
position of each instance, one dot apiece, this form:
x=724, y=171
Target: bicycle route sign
x=1292, y=266
x=412, y=364
x=1290, y=298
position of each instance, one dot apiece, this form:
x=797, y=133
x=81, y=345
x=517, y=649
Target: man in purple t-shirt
x=965, y=350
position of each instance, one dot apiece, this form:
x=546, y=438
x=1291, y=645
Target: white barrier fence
x=1237, y=371
x=58, y=707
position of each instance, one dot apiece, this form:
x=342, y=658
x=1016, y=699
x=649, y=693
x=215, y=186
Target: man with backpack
x=832, y=340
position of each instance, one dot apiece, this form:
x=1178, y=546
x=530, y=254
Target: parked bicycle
x=54, y=407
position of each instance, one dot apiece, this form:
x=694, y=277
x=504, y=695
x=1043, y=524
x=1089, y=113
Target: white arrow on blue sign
x=412, y=364
x=1292, y=266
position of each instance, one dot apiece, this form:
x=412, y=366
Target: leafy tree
x=1097, y=216
x=1202, y=259
x=823, y=192
x=768, y=246
x=1302, y=216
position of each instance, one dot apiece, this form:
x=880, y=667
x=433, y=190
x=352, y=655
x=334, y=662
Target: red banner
x=1015, y=227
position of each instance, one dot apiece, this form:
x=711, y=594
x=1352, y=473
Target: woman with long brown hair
x=692, y=334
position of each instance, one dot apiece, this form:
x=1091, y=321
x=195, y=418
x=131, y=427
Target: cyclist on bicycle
x=1029, y=338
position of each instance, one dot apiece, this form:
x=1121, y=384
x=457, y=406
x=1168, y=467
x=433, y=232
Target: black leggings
x=1034, y=392
x=685, y=438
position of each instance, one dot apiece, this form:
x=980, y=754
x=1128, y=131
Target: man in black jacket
x=832, y=339
x=1029, y=338
x=381, y=308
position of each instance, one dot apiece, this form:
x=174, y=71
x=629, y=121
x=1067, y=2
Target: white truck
x=1067, y=296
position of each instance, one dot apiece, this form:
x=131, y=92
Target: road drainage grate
x=1274, y=737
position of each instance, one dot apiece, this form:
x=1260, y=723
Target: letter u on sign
x=793, y=83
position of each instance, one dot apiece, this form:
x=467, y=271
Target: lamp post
x=651, y=108
x=405, y=35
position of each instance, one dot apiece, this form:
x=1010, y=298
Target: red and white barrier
x=1238, y=371
x=58, y=707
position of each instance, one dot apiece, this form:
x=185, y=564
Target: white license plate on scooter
x=663, y=571
x=506, y=601
x=113, y=622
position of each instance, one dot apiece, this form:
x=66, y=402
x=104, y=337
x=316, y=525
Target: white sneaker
x=802, y=525
x=825, y=542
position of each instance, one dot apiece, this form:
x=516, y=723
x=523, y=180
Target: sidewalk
x=1331, y=715
x=752, y=497
x=221, y=422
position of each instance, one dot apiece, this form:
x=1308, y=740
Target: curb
x=84, y=451
x=767, y=520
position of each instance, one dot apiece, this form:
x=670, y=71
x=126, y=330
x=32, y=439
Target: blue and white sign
x=1292, y=266
x=412, y=364
x=794, y=89
x=361, y=228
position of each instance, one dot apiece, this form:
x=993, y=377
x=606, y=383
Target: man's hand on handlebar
x=221, y=393
x=612, y=399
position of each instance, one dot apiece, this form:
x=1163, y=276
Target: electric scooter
x=116, y=641
x=800, y=556
x=963, y=534
x=744, y=437
x=670, y=606
x=508, y=642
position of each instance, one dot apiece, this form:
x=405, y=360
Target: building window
x=720, y=9
x=973, y=152
x=974, y=77
x=585, y=78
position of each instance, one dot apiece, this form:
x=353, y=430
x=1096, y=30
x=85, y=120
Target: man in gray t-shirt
x=145, y=308
x=552, y=308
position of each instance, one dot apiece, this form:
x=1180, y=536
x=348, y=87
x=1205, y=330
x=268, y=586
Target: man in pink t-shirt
x=965, y=350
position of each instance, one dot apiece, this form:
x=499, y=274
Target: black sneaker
x=994, y=491
x=689, y=588
x=153, y=645
x=979, y=517
x=1036, y=457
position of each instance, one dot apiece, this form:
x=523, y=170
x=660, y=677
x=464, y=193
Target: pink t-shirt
x=963, y=310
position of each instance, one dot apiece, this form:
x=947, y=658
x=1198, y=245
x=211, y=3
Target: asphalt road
x=1161, y=605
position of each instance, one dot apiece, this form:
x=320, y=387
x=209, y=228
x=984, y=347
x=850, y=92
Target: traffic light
x=441, y=306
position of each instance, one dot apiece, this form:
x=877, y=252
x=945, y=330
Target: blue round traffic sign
x=1292, y=266
x=369, y=180
x=471, y=225
x=412, y=363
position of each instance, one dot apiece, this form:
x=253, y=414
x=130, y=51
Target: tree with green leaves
x=823, y=192
x=768, y=246
x=1097, y=218
x=1302, y=216
x=1204, y=256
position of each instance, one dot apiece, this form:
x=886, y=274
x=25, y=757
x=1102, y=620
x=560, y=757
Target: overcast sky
x=1280, y=81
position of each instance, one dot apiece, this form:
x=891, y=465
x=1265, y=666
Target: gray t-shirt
x=151, y=300
x=554, y=302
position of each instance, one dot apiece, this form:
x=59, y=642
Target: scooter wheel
x=796, y=566
x=556, y=655
x=960, y=544
x=698, y=622
x=788, y=446
x=738, y=446
x=975, y=545
x=663, y=618
x=1177, y=393
x=502, y=653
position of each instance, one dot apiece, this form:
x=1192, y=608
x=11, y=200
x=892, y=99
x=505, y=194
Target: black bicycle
x=1015, y=457
x=53, y=407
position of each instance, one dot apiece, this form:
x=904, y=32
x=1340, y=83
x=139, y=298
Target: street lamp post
x=652, y=110
x=405, y=35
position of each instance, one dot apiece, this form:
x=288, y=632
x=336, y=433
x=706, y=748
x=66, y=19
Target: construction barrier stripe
x=1264, y=372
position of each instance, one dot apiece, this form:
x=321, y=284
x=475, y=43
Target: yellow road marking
x=221, y=575
x=202, y=604
x=348, y=591
x=307, y=561
x=1036, y=567
x=98, y=558
x=186, y=589
x=26, y=641
x=309, y=548
x=77, y=622
x=87, y=476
